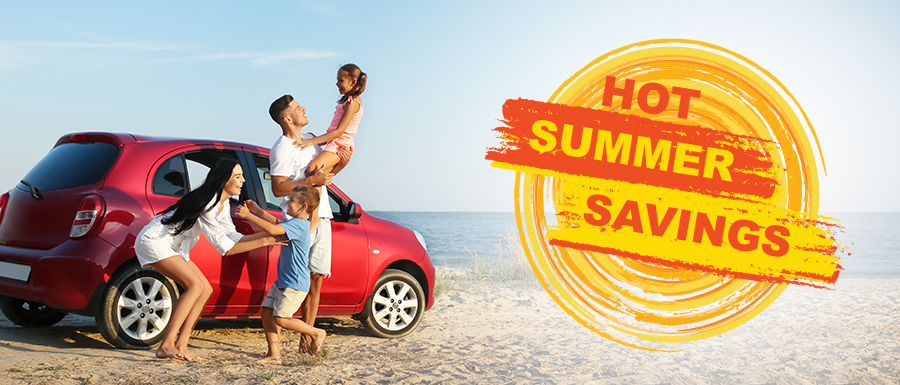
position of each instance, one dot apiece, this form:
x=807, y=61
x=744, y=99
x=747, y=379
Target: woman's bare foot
x=169, y=352
x=318, y=340
x=271, y=360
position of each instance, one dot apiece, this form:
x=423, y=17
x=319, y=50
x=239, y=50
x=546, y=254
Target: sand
x=499, y=333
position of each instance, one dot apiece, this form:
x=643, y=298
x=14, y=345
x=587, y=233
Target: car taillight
x=4, y=199
x=91, y=209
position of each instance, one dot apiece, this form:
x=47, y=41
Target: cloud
x=317, y=6
x=97, y=46
x=56, y=55
x=268, y=58
x=60, y=58
x=12, y=57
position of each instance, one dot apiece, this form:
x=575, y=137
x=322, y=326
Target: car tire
x=28, y=313
x=396, y=305
x=136, y=308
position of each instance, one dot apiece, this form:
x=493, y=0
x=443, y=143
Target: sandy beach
x=506, y=332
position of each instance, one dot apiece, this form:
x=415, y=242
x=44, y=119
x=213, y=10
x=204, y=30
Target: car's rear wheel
x=396, y=305
x=136, y=308
x=28, y=313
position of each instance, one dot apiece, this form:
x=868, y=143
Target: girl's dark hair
x=190, y=206
x=360, y=77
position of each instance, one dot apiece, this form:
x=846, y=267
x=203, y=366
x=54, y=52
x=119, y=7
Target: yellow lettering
x=644, y=151
x=714, y=163
x=604, y=142
x=537, y=129
x=681, y=157
x=582, y=149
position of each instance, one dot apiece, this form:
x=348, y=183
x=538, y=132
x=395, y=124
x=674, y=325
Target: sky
x=439, y=74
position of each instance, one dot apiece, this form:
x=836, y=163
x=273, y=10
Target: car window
x=336, y=204
x=197, y=173
x=199, y=162
x=71, y=165
x=170, y=178
x=262, y=170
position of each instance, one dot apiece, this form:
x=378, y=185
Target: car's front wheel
x=136, y=308
x=396, y=305
x=28, y=313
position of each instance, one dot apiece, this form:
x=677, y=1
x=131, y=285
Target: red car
x=67, y=234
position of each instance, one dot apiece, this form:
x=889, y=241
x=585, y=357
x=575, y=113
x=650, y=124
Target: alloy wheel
x=144, y=308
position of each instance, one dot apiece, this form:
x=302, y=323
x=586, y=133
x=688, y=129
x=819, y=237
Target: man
x=288, y=166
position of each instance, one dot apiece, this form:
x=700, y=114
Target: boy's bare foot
x=169, y=353
x=317, y=341
x=270, y=361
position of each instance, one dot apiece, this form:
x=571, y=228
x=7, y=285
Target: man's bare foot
x=317, y=341
x=305, y=341
x=169, y=353
x=270, y=361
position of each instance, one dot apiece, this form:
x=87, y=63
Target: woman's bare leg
x=181, y=272
x=191, y=321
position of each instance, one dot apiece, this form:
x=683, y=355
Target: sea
x=455, y=239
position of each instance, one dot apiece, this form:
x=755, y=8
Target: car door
x=238, y=281
x=350, y=262
x=347, y=285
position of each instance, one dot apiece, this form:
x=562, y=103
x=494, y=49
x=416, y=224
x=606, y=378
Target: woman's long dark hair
x=190, y=206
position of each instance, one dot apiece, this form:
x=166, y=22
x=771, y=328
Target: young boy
x=289, y=290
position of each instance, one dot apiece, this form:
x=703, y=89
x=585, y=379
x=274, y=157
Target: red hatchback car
x=67, y=234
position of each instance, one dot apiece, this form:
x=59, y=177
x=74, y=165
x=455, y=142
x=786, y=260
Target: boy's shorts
x=284, y=302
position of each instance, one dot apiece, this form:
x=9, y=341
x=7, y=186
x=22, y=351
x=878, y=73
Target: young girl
x=351, y=82
x=176, y=230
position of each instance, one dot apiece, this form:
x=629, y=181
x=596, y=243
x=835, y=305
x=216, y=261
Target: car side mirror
x=354, y=211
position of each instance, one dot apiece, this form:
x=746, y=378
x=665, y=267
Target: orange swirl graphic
x=635, y=295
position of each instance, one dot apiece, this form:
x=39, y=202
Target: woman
x=176, y=230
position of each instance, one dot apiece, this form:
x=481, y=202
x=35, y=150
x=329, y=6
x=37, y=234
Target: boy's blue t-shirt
x=293, y=263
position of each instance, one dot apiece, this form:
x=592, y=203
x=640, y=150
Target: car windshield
x=71, y=165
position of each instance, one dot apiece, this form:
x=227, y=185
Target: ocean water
x=453, y=237
x=874, y=240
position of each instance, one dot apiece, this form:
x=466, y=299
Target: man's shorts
x=284, y=302
x=320, y=249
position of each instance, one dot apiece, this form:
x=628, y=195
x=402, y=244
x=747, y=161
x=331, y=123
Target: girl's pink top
x=346, y=139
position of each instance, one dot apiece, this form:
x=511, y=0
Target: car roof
x=119, y=139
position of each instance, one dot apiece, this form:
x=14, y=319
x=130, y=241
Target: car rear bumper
x=61, y=277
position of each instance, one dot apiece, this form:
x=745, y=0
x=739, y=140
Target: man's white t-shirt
x=291, y=162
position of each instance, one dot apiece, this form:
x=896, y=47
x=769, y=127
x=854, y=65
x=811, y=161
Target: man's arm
x=282, y=187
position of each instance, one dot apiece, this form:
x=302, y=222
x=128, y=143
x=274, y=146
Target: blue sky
x=439, y=74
